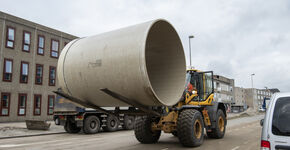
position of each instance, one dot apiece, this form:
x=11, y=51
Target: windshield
x=188, y=77
x=281, y=117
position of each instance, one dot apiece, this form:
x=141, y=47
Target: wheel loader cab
x=203, y=86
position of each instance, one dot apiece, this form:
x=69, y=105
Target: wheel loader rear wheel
x=129, y=122
x=220, y=127
x=143, y=131
x=190, y=128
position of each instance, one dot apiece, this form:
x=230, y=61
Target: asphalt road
x=241, y=133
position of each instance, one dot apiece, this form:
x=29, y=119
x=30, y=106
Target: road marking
x=235, y=148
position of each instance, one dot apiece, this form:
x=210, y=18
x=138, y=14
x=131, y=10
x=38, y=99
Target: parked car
x=276, y=124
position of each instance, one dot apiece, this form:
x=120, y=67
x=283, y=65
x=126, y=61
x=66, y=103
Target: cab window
x=205, y=85
x=281, y=117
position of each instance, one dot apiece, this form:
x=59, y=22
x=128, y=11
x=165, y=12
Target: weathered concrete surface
x=144, y=62
x=242, y=134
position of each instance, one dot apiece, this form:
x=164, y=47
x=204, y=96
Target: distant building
x=224, y=89
x=28, y=61
x=239, y=103
x=254, y=97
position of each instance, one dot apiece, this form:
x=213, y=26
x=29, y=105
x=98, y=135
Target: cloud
x=233, y=38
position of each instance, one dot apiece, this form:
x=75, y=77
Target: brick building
x=28, y=60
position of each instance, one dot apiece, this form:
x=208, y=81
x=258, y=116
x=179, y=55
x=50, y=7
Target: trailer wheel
x=129, y=122
x=143, y=131
x=71, y=127
x=190, y=128
x=220, y=127
x=112, y=123
x=91, y=125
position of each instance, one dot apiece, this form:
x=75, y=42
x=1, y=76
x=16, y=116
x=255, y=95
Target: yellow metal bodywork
x=168, y=123
x=208, y=101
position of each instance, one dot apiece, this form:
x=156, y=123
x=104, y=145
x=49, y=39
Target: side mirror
x=262, y=122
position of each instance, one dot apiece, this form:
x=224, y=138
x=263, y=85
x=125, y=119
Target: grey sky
x=233, y=38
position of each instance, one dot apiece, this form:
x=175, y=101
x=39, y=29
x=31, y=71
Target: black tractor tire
x=174, y=133
x=129, y=122
x=143, y=131
x=219, y=130
x=70, y=127
x=91, y=125
x=112, y=123
x=190, y=128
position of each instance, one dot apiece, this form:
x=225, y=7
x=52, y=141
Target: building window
x=54, y=48
x=24, y=72
x=52, y=72
x=7, y=70
x=26, y=41
x=50, y=105
x=4, y=107
x=37, y=105
x=10, y=37
x=38, y=74
x=22, y=99
x=40, y=45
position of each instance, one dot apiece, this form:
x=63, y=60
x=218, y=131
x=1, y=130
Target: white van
x=276, y=124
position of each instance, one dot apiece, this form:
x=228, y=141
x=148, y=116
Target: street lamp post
x=190, y=37
x=252, y=80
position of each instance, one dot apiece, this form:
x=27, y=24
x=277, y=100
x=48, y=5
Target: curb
x=21, y=136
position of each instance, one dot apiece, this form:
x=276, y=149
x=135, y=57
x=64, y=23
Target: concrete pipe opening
x=165, y=62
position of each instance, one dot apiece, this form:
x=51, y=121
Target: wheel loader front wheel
x=190, y=128
x=143, y=131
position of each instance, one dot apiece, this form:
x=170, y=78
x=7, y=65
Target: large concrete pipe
x=144, y=63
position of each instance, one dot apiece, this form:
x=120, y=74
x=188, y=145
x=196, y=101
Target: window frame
x=23, y=41
x=53, y=96
x=34, y=105
x=4, y=70
x=7, y=36
x=9, y=99
x=18, y=109
x=21, y=70
x=49, y=77
x=51, y=41
x=36, y=65
x=38, y=36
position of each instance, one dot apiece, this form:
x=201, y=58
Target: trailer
x=75, y=117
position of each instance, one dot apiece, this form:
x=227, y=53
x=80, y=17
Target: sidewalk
x=248, y=113
x=14, y=129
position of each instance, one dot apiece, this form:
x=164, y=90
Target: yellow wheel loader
x=195, y=111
